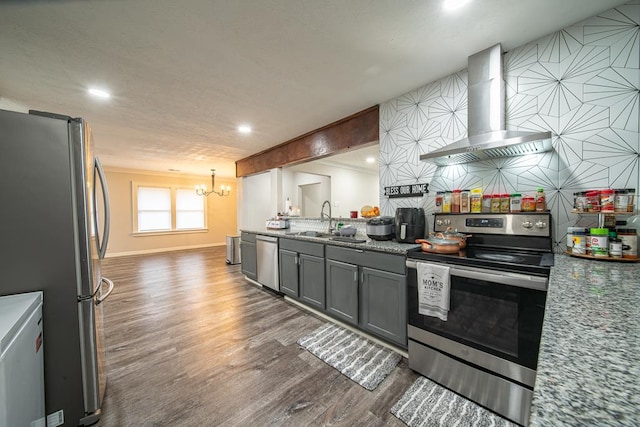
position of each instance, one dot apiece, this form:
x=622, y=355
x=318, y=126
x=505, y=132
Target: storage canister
x=505, y=202
x=593, y=201
x=580, y=201
x=541, y=200
x=629, y=239
x=486, y=203
x=476, y=200
x=495, y=203
x=576, y=234
x=528, y=204
x=599, y=238
x=516, y=202
x=455, y=201
x=607, y=200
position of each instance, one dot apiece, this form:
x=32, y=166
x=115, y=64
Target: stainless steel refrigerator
x=54, y=228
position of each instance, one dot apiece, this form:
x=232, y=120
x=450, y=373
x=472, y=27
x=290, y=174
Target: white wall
x=256, y=201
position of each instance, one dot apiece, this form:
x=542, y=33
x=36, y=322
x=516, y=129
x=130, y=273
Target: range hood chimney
x=488, y=138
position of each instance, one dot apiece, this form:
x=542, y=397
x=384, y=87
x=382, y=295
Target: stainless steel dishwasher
x=267, y=254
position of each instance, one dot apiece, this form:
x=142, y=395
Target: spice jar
x=599, y=239
x=621, y=200
x=439, y=200
x=465, y=201
x=578, y=242
x=541, y=200
x=486, y=203
x=495, y=203
x=455, y=201
x=629, y=239
x=607, y=200
x=476, y=200
x=528, y=204
x=446, y=202
x=516, y=203
x=631, y=195
x=580, y=201
x=593, y=201
x=615, y=245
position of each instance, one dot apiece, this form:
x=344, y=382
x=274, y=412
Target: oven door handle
x=502, y=277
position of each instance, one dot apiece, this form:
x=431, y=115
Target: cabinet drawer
x=372, y=259
x=247, y=237
x=309, y=248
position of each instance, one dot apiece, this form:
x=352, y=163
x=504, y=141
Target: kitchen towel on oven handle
x=433, y=290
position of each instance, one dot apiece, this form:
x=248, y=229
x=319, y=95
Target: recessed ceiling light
x=371, y=159
x=454, y=4
x=244, y=129
x=99, y=93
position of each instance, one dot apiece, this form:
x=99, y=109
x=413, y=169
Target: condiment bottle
x=446, y=202
x=439, y=200
x=541, y=200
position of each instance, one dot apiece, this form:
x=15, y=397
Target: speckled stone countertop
x=388, y=246
x=589, y=363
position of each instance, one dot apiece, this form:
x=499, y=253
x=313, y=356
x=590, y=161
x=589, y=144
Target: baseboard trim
x=159, y=250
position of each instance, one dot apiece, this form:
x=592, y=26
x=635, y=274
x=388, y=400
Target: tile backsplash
x=581, y=83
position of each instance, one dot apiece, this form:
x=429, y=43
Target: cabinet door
x=249, y=259
x=289, y=272
x=312, y=280
x=383, y=304
x=342, y=291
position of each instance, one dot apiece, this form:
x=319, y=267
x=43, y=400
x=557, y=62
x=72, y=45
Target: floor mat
x=428, y=404
x=360, y=359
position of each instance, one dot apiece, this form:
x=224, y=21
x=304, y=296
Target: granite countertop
x=388, y=246
x=589, y=364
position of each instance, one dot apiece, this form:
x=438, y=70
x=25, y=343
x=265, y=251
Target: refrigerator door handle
x=102, y=245
x=103, y=297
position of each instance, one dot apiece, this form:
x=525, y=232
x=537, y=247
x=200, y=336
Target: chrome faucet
x=324, y=215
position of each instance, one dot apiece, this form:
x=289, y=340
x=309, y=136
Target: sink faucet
x=328, y=216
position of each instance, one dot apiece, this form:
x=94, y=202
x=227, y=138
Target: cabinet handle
x=355, y=276
x=297, y=260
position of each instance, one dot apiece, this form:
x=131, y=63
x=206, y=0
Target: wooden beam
x=357, y=130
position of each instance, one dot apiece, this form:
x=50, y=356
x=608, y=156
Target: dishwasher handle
x=267, y=238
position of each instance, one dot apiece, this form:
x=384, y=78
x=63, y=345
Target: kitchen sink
x=309, y=233
x=348, y=239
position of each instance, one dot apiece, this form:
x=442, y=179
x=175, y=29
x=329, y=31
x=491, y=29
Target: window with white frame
x=167, y=209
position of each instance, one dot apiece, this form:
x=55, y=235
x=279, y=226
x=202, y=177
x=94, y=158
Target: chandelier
x=201, y=190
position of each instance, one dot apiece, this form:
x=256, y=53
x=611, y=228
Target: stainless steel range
x=487, y=348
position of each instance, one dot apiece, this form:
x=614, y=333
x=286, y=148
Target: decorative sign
x=408, y=190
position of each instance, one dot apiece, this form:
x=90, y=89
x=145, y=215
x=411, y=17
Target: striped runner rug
x=360, y=359
x=429, y=404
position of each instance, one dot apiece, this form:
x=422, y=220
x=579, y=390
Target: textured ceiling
x=184, y=74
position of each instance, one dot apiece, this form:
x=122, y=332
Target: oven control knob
x=447, y=222
x=541, y=224
x=439, y=222
x=527, y=224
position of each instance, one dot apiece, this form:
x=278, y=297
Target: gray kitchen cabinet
x=249, y=255
x=342, y=291
x=383, y=300
x=289, y=283
x=302, y=271
x=312, y=290
x=368, y=289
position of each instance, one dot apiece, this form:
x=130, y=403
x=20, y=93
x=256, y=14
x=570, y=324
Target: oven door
x=494, y=320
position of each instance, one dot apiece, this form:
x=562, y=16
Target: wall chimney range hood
x=488, y=138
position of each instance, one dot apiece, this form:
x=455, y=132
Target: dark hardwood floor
x=191, y=343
